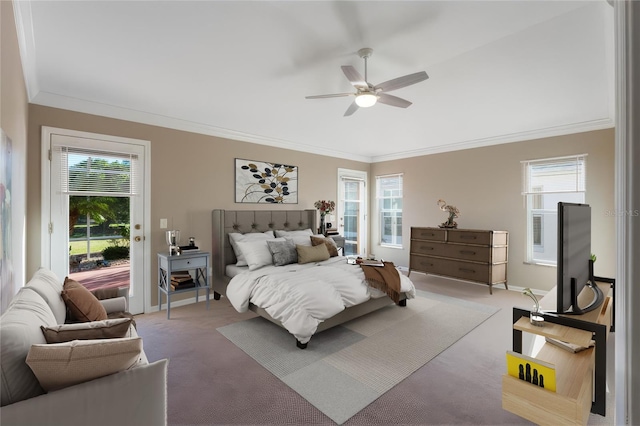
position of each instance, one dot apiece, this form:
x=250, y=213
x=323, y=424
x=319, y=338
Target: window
x=545, y=183
x=389, y=195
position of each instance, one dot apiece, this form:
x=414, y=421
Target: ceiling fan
x=366, y=93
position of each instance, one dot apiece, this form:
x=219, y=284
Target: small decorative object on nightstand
x=324, y=207
x=173, y=240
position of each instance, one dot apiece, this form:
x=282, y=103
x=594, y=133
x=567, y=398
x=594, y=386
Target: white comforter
x=302, y=296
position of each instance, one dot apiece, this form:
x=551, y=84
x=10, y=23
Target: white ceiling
x=500, y=71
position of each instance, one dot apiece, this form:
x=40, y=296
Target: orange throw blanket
x=385, y=278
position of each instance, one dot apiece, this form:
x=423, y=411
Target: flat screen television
x=575, y=268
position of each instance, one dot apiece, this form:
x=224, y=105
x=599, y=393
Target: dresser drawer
x=423, y=263
x=431, y=248
x=469, y=237
x=189, y=263
x=466, y=252
x=432, y=234
x=466, y=271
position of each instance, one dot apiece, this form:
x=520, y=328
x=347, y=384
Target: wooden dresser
x=467, y=254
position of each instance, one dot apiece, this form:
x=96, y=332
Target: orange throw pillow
x=82, y=304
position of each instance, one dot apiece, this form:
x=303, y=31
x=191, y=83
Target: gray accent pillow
x=283, y=252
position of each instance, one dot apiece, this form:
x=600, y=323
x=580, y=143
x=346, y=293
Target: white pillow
x=257, y=253
x=300, y=238
x=59, y=365
x=236, y=237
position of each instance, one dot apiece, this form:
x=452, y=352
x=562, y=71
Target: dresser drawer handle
x=428, y=235
x=426, y=264
x=468, y=237
x=467, y=270
x=467, y=252
x=426, y=248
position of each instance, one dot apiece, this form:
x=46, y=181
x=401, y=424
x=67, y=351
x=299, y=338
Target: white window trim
x=528, y=192
x=379, y=212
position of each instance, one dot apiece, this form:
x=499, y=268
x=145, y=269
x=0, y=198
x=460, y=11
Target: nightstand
x=339, y=239
x=197, y=264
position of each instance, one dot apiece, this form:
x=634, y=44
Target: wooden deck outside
x=105, y=277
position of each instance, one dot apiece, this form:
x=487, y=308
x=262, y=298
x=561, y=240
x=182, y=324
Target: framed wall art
x=266, y=183
x=6, y=259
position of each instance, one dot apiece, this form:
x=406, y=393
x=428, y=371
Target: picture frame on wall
x=261, y=182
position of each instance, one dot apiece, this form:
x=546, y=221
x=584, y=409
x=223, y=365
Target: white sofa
x=136, y=396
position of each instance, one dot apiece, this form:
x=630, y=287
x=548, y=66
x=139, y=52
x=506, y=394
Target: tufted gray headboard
x=244, y=221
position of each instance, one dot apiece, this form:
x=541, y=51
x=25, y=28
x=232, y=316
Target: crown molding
x=26, y=45
x=79, y=105
x=566, y=129
x=105, y=110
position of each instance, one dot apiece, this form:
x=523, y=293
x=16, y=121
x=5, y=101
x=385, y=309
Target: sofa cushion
x=19, y=329
x=107, y=329
x=66, y=364
x=83, y=306
x=49, y=286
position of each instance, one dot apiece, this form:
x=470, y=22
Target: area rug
x=347, y=367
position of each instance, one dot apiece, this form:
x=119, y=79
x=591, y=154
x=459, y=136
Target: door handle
x=137, y=239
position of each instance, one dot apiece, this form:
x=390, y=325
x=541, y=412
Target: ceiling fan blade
x=354, y=77
x=384, y=98
x=400, y=82
x=352, y=108
x=335, y=95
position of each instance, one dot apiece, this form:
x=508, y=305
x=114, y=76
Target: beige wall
x=13, y=120
x=485, y=185
x=191, y=174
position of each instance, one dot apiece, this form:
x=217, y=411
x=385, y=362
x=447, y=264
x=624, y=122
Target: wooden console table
x=579, y=376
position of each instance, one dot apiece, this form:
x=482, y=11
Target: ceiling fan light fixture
x=366, y=100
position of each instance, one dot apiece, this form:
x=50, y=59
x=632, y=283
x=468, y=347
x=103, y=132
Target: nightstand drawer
x=190, y=263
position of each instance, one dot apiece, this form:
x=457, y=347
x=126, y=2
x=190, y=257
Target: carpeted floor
x=213, y=382
x=346, y=368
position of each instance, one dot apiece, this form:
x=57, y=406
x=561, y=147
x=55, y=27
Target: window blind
x=554, y=175
x=389, y=186
x=98, y=173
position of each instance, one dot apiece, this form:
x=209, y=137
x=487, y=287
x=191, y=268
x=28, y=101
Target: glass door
x=96, y=192
x=351, y=210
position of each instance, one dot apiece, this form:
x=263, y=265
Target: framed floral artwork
x=266, y=183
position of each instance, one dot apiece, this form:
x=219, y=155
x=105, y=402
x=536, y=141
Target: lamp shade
x=365, y=100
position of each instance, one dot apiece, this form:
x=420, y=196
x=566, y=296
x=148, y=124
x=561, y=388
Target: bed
x=224, y=259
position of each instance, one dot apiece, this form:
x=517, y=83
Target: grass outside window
x=80, y=247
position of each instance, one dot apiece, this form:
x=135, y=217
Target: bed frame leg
x=403, y=302
x=301, y=345
x=216, y=295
